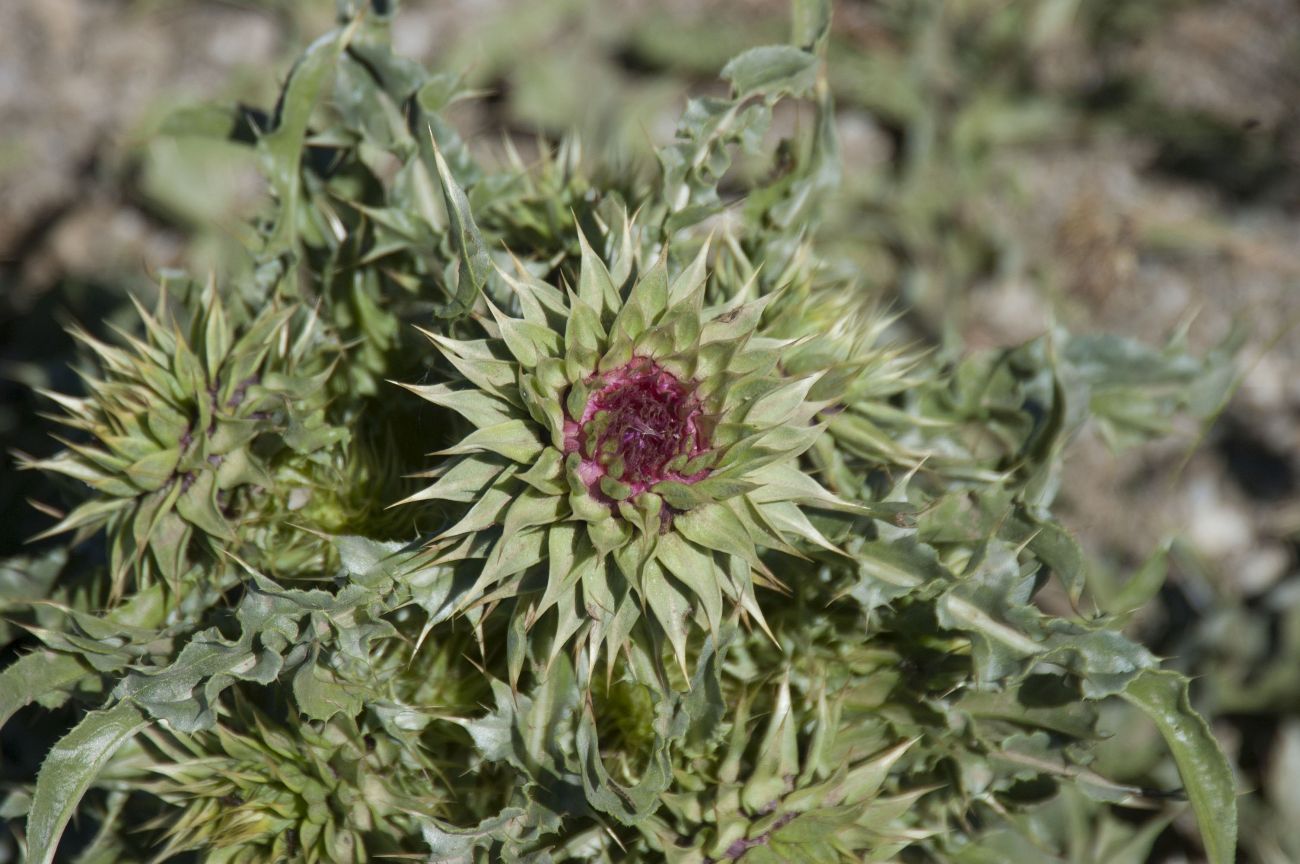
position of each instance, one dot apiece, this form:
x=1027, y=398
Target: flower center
x=640, y=426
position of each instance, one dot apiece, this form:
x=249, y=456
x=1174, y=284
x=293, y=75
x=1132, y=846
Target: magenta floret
x=639, y=420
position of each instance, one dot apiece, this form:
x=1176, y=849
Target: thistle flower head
x=641, y=427
x=272, y=793
x=641, y=444
x=809, y=788
x=170, y=430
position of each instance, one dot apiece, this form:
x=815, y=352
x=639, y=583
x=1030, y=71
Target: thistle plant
x=673, y=548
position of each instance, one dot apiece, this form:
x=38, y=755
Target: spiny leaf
x=69, y=769
x=282, y=148
x=1162, y=696
x=771, y=69
x=34, y=676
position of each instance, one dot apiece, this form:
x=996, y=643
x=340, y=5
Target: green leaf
x=528, y=342
x=810, y=23
x=282, y=148
x=475, y=263
x=493, y=732
x=716, y=526
x=364, y=557
x=628, y=804
x=320, y=694
x=512, y=439
x=1206, y=774
x=696, y=570
x=69, y=769
x=463, y=482
x=888, y=570
x=449, y=845
x=583, y=336
x=781, y=404
x=670, y=605
x=471, y=403
x=771, y=69
x=184, y=692
x=1142, y=586
x=595, y=287
x=34, y=676
x=89, y=513
x=784, y=481
x=198, y=504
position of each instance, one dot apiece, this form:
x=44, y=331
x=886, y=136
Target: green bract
x=637, y=447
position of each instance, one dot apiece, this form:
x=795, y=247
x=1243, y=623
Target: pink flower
x=641, y=426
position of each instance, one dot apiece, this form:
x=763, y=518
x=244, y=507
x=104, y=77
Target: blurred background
x=1008, y=165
